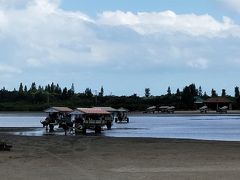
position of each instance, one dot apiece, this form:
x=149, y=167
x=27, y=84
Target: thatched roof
x=108, y=109
x=151, y=108
x=166, y=107
x=93, y=111
x=203, y=107
x=58, y=109
x=121, y=109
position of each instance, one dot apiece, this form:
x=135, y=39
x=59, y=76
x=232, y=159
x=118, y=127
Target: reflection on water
x=39, y=132
x=189, y=127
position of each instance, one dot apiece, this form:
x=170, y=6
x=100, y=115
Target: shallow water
x=188, y=127
x=21, y=119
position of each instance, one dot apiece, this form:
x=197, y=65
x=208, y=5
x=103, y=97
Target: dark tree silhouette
x=213, y=92
x=237, y=92
x=223, y=92
x=147, y=92
x=169, y=91
x=88, y=92
x=101, y=93
x=38, y=99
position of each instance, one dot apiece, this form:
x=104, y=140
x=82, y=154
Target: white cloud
x=118, y=18
x=232, y=4
x=44, y=6
x=170, y=23
x=48, y=35
x=7, y=69
x=3, y=20
x=33, y=62
x=5, y=4
x=42, y=40
x=199, y=63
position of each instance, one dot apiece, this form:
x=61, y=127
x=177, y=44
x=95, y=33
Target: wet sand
x=105, y=158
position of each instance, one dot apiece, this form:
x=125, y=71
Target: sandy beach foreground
x=103, y=158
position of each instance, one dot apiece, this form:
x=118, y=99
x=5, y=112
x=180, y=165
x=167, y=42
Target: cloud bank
x=39, y=40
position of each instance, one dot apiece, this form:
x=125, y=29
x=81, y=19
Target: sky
x=124, y=46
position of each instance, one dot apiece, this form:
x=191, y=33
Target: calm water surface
x=21, y=119
x=190, y=127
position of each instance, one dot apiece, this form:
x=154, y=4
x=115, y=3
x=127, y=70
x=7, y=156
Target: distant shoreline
x=142, y=113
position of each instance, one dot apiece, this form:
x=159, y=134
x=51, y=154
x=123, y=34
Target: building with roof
x=218, y=102
x=198, y=102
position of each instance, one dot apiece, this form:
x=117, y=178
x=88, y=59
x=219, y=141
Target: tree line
x=38, y=98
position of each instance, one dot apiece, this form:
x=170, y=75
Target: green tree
x=200, y=91
x=72, y=89
x=178, y=93
x=193, y=90
x=188, y=94
x=223, y=92
x=205, y=96
x=65, y=93
x=48, y=88
x=52, y=88
x=187, y=98
x=70, y=93
x=147, y=92
x=88, y=92
x=25, y=89
x=20, y=90
x=237, y=92
x=213, y=92
x=101, y=93
x=169, y=91
x=33, y=88
x=40, y=88
x=40, y=97
x=58, y=90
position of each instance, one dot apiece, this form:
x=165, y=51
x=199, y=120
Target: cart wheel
x=51, y=127
x=109, y=125
x=97, y=129
x=84, y=130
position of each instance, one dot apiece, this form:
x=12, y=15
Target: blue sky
x=124, y=46
x=92, y=7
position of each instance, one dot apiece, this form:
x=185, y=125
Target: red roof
x=218, y=100
x=93, y=111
